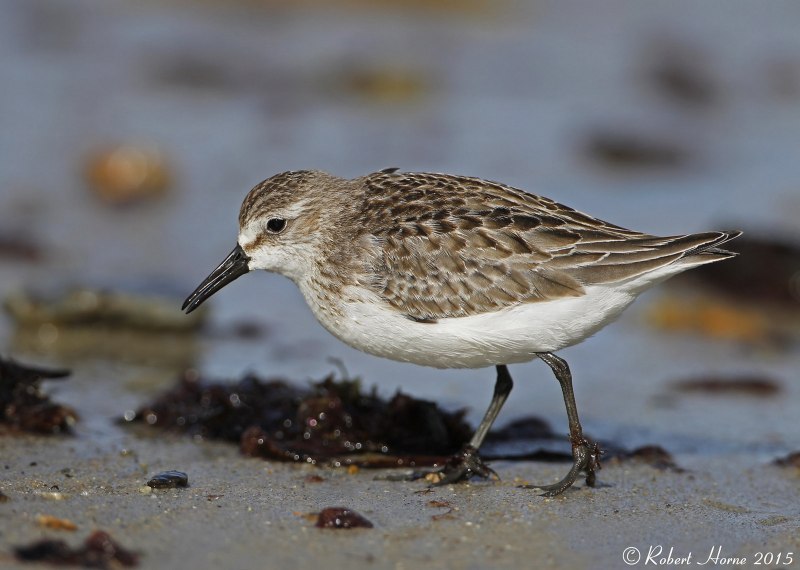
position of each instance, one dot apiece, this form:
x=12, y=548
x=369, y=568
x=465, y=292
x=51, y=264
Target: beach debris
x=19, y=247
x=631, y=151
x=754, y=298
x=24, y=407
x=653, y=455
x=790, y=460
x=439, y=504
x=384, y=84
x=85, y=323
x=711, y=317
x=766, y=272
x=49, y=521
x=81, y=306
x=169, y=480
x=330, y=421
x=758, y=386
x=99, y=550
x=126, y=173
x=680, y=72
x=341, y=517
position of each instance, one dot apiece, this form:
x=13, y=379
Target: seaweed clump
x=99, y=550
x=331, y=421
x=23, y=405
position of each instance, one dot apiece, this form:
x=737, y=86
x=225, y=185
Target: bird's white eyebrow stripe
x=249, y=235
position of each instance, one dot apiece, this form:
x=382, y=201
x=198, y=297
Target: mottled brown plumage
x=454, y=246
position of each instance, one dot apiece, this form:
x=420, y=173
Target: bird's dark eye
x=276, y=225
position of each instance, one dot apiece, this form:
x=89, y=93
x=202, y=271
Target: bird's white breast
x=511, y=335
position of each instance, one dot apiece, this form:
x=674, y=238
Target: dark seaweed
x=652, y=455
x=23, y=406
x=791, y=460
x=631, y=151
x=767, y=270
x=98, y=551
x=331, y=420
x=744, y=385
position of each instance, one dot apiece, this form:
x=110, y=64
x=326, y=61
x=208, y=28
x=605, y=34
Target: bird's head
x=279, y=230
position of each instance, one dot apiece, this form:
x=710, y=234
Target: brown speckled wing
x=453, y=246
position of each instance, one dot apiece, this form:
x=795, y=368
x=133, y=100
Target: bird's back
x=452, y=246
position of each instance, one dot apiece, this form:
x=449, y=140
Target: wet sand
x=245, y=513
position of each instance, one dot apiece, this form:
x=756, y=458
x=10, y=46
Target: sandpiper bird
x=454, y=272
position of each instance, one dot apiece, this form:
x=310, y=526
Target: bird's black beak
x=232, y=267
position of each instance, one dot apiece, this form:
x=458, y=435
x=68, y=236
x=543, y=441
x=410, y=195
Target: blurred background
x=131, y=131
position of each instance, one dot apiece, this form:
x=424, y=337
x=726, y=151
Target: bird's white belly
x=511, y=335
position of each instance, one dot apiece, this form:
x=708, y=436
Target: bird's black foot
x=460, y=467
x=586, y=456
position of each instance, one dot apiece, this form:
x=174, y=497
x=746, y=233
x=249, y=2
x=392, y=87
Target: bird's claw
x=460, y=467
x=463, y=466
x=586, y=456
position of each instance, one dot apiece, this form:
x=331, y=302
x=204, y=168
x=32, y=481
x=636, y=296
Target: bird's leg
x=502, y=388
x=466, y=462
x=585, y=453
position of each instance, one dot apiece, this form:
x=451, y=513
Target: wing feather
x=450, y=246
